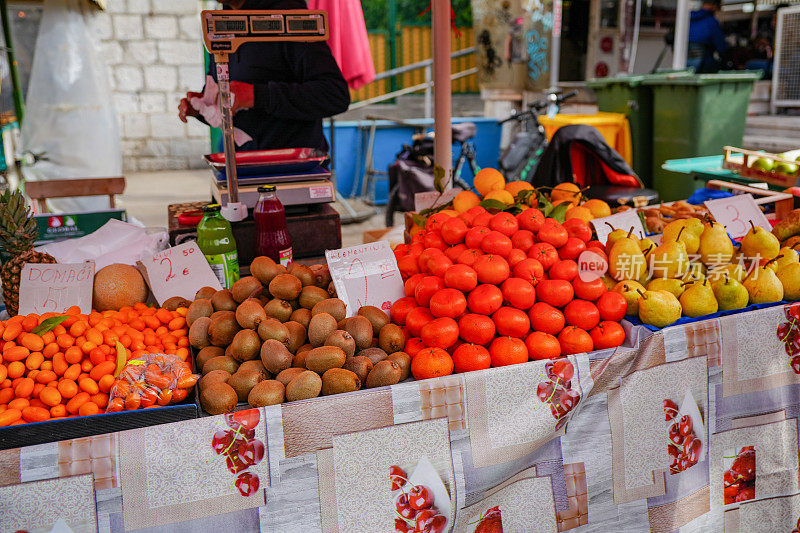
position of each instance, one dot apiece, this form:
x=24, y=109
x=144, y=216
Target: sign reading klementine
x=178, y=271
x=366, y=275
x=54, y=288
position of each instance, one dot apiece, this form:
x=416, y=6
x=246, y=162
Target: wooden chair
x=40, y=191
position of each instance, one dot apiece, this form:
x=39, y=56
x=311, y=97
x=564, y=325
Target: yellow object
x=465, y=201
x=449, y=212
x=579, y=212
x=501, y=195
x=598, y=208
x=515, y=187
x=565, y=191
x=488, y=180
x=613, y=127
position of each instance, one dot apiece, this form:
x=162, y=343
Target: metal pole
x=428, y=90
x=19, y=108
x=555, y=45
x=681, y=35
x=443, y=135
x=392, y=23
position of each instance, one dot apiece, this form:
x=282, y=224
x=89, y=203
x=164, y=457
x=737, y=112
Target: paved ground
x=149, y=193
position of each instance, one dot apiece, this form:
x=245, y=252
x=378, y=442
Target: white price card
x=46, y=288
x=624, y=220
x=736, y=213
x=428, y=199
x=366, y=275
x=178, y=271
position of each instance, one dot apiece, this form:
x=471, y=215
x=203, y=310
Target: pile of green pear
x=769, y=165
x=697, y=271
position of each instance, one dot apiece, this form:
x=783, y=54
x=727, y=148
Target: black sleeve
x=320, y=90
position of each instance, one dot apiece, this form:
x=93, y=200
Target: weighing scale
x=223, y=33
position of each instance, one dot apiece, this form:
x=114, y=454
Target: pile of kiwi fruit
x=281, y=335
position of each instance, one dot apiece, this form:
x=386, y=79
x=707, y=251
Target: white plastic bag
x=69, y=115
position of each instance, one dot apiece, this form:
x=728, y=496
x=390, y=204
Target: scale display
x=225, y=31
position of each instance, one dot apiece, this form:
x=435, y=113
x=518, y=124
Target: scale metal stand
x=223, y=33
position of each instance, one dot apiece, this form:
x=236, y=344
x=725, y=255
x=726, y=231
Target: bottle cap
x=211, y=208
x=267, y=188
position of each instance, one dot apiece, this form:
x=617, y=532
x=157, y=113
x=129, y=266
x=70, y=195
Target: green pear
x=694, y=225
x=763, y=285
x=785, y=168
x=759, y=243
x=630, y=290
x=618, y=234
x=730, y=294
x=670, y=259
x=715, y=247
x=698, y=300
x=733, y=270
x=626, y=260
x=609, y=282
x=659, y=308
x=675, y=286
x=696, y=272
x=762, y=163
x=786, y=256
x=678, y=230
x=789, y=277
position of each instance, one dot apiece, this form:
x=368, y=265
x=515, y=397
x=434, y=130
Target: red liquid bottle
x=272, y=238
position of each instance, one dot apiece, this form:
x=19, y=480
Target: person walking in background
x=705, y=38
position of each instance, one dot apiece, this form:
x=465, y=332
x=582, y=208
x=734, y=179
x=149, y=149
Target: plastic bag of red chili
x=150, y=380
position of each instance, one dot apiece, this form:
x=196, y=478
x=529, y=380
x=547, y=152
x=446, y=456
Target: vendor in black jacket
x=282, y=90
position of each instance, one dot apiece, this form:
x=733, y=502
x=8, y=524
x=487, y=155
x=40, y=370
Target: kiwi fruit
x=205, y=354
x=322, y=275
x=273, y=329
x=223, y=328
x=311, y=296
x=245, y=288
x=215, y=376
x=342, y=324
x=297, y=336
x=301, y=316
x=257, y=366
x=338, y=380
x=172, y=304
x=285, y=287
x=303, y=273
x=275, y=356
x=265, y=269
x=245, y=345
x=289, y=374
x=403, y=360
x=221, y=362
x=320, y=327
x=267, y=392
x=383, y=373
x=333, y=306
x=197, y=309
x=324, y=358
x=376, y=317
x=295, y=304
x=332, y=290
x=250, y=314
x=360, y=329
x=375, y=354
x=278, y=309
x=198, y=332
x=243, y=382
x=299, y=360
x=391, y=338
x=223, y=301
x=306, y=385
x=343, y=340
x=205, y=293
x=218, y=398
x=360, y=365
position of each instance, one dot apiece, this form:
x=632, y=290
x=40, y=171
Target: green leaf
x=419, y=220
x=559, y=212
x=48, y=325
x=543, y=199
x=493, y=204
x=524, y=196
x=438, y=178
x=547, y=210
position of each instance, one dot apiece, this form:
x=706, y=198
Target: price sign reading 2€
x=179, y=271
x=736, y=213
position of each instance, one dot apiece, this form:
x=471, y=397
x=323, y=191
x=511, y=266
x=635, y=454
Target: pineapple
x=17, y=233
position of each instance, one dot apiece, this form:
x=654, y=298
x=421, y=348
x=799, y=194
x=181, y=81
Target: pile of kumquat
x=63, y=365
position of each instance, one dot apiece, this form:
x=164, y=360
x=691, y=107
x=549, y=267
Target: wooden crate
x=783, y=202
x=739, y=160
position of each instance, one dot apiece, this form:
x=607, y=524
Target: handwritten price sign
x=55, y=288
x=178, y=271
x=365, y=275
x=624, y=220
x=736, y=213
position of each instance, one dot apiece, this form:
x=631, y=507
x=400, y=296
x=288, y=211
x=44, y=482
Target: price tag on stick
x=366, y=275
x=46, y=288
x=624, y=220
x=178, y=271
x=736, y=213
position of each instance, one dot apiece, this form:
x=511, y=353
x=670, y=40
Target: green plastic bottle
x=215, y=239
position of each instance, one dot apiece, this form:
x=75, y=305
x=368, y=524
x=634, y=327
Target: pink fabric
x=348, y=39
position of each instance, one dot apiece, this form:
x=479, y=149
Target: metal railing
x=427, y=65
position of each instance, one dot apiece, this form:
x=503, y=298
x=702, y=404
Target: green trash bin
x=630, y=96
x=696, y=116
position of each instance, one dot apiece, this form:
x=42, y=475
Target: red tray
x=287, y=159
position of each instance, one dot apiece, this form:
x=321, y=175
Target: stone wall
x=154, y=53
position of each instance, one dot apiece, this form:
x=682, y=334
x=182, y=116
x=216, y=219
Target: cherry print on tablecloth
x=557, y=390
x=788, y=333
x=684, y=445
x=739, y=479
x=240, y=448
x=415, y=506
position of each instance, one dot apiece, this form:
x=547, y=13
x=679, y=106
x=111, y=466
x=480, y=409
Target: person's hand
x=185, y=109
x=244, y=95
